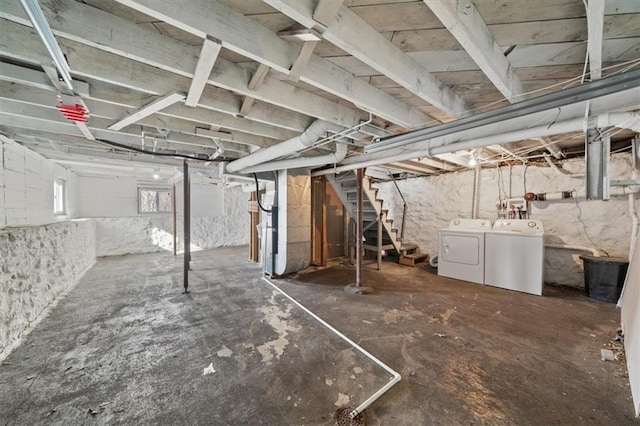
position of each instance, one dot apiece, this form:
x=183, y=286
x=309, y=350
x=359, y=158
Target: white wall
x=434, y=201
x=630, y=318
x=26, y=187
x=41, y=254
x=218, y=216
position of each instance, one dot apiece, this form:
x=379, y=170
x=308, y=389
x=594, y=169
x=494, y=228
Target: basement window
x=155, y=200
x=59, y=205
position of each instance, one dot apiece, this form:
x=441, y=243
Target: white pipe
x=395, y=375
x=448, y=143
x=475, y=207
x=593, y=250
x=634, y=223
x=304, y=140
x=294, y=163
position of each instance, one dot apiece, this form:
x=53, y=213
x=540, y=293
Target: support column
x=187, y=225
x=357, y=287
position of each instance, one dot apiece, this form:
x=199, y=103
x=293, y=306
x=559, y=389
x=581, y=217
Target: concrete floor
x=125, y=346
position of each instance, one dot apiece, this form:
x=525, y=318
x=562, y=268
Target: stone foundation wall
x=37, y=264
x=434, y=201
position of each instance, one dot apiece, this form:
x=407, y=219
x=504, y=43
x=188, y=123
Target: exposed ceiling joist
x=326, y=11
x=595, y=31
x=464, y=22
x=208, y=55
x=358, y=38
x=246, y=37
x=132, y=41
x=147, y=110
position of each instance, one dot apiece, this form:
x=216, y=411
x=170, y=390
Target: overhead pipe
x=294, y=163
x=444, y=144
x=315, y=131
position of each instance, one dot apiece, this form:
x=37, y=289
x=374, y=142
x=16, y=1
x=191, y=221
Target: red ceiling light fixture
x=73, y=109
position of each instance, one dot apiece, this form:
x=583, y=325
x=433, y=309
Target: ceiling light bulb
x=156, y=176
x=473, y=162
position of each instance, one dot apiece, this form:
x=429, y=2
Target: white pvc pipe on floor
x=395, y=375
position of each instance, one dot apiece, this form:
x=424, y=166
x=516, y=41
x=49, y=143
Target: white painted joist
x=244, y=36
x=208, y=55
x=48, y=118
x=85, y=25
x=595, y=31
x=302, y=60
x=147, y=110
x=353, y=35
x=464, y=22
x=31, y=87
x=254, y=83
x=326, y=11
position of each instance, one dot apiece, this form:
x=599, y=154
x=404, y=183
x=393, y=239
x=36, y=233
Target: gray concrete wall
x=36, y=265
x=434, y=201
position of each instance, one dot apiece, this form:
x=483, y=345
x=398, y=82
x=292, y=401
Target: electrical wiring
x=157, y=154
x=255, y=176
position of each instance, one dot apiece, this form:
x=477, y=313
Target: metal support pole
x=187, y=225
x=175, y=221
x=359, y=233
x=380, y=241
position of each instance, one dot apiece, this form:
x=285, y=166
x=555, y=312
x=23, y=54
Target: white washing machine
x=514, y=255
x=461, y=249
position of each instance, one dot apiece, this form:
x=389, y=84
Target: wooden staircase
x=346, y=186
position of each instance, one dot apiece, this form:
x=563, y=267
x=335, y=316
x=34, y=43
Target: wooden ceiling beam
x=246, y=37
x=365, y=43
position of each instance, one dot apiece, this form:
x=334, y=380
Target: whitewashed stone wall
x=36, y=265
x=132, y=235
x=434, y=201
x=230, y=227
x=219, y=217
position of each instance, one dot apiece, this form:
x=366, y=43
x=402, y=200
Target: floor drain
x=343, y=419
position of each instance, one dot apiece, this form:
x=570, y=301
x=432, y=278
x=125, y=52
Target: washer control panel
x=519, y=226
x=470, y=224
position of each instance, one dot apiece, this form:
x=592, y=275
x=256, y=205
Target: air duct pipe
x=455, y=141
x=304, y=140
x=294, y=163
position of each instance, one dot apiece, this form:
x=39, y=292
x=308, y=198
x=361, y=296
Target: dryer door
x=464, y=249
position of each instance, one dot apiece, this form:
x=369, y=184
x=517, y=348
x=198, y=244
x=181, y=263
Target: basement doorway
x=329, y=223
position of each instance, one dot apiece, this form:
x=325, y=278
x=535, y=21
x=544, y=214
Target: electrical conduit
x=395, y=375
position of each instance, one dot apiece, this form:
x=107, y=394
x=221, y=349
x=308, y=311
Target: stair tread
x=409, y=246
x=416, y=255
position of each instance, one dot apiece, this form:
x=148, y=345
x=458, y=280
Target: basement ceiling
x=393, y=62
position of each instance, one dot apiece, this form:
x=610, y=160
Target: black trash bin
x=604, y=277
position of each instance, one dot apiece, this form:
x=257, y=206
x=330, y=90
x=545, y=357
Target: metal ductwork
x=304, y=140
x=294, y=163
